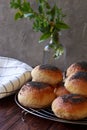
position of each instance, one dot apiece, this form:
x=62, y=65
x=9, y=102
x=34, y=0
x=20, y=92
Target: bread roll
x=75, y=67
x=70, y=107
x=47, y=74
x=77, y=83
x=60, y=90
x=36, y=95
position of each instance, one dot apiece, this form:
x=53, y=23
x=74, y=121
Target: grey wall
x=18, y=40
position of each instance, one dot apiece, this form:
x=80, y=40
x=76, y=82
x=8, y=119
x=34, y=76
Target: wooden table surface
x=11, y=119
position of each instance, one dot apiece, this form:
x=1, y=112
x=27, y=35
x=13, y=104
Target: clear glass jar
x=48, y=54
x=52, y=51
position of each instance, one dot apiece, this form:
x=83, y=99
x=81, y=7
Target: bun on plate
x=75, y=67
x=70, y=107
x=47, y=74
x=60, y=90
x=36, y=95
x=77, y=83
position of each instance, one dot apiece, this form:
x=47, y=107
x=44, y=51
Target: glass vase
x=48, y=57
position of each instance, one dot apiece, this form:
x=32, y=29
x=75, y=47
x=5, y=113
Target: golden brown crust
x=70, y=107
x=36, y=95
x=47, y=74
x=60, y=90
x=76, y=67
x=77, y=83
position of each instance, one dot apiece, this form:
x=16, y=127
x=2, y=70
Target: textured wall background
x=18, y=40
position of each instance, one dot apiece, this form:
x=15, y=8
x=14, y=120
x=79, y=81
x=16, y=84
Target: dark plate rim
x=47, y=113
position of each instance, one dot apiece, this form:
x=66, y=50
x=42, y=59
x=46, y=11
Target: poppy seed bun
x=47, y=74
x=70, y=107
x=77, y=83
x=75, y=67
x=36, y=95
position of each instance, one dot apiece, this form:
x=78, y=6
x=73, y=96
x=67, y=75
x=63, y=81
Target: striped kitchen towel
x=13, y=74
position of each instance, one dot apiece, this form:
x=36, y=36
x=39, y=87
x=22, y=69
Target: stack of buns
x=76, y=78
x=39, y=92
x=67, y=97
x=73, y=106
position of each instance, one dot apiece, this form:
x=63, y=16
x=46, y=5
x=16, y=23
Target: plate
x=47, y=113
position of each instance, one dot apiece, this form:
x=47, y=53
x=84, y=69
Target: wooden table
x=10, y=119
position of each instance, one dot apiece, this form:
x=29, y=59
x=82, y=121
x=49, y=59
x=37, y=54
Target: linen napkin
x=13, y=74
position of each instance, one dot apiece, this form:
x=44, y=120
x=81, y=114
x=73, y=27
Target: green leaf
x=41, y=1
x=61, y=25
x=12, y=3
x=52, y=13
x=19, y=2
x=40, y=9
x=26, y=7
x=15, y=5
x=18, y=15
x=47, y=5
x=44, y=37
